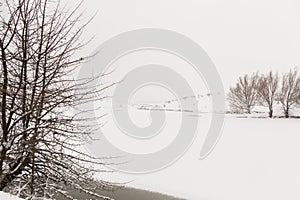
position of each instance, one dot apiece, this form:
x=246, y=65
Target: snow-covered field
x=255, y=159
x=6, y=196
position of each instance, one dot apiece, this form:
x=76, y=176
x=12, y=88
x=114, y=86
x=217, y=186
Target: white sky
x=241, y=36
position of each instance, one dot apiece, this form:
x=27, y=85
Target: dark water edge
x=122, y=194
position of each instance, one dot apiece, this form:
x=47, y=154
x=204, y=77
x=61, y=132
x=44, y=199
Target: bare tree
x=39, y=134
x=243, y=96
x=267, y=88
x=289, y=93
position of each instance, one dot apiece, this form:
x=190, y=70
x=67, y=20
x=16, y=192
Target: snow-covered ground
x=256, y=158
x=6, y=196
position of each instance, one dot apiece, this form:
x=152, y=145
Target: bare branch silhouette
x=39, y=134
x=267, y=89
x=289, y=92
x=243, y=96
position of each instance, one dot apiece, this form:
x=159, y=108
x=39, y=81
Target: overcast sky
x=241, y=36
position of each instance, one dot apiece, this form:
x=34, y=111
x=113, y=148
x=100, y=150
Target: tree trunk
x=286, y=113
x=270, y=113
x=248, y=110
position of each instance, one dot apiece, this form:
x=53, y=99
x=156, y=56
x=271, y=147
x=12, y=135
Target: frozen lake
x=254, y=159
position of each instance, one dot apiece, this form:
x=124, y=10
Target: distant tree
x=39, y=135
x=243, y=96
x=266, y=88
x=289, y=92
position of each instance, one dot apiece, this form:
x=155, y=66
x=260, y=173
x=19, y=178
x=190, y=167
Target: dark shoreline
x=126, y=193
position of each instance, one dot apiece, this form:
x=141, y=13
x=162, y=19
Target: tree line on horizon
x=265, y=90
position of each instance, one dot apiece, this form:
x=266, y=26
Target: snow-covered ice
x=256, y=158
x=6, y=196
